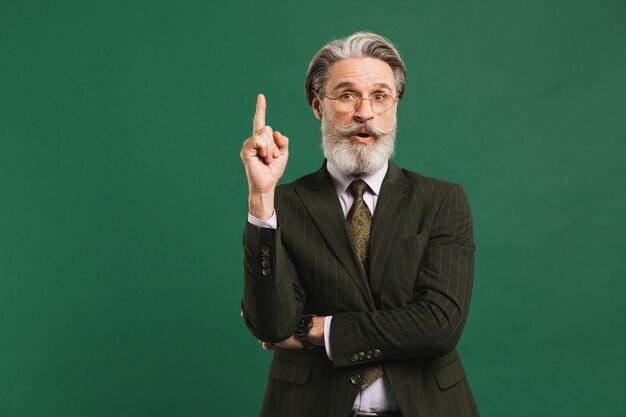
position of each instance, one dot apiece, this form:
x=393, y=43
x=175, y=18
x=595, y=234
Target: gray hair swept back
x=357, y=45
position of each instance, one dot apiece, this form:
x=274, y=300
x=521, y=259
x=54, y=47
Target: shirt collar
x=342, y=180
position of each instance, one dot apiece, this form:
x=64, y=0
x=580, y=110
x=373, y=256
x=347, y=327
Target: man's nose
x=363, y=111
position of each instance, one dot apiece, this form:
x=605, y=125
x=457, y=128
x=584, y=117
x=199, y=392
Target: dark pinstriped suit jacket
x=411, y=311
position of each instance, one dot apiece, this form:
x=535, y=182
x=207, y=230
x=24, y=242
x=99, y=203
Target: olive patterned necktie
x=359, y=223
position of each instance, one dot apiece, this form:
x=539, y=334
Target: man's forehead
x=360, y=72
x=350, y=85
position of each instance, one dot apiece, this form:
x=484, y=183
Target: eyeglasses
x=349, y=101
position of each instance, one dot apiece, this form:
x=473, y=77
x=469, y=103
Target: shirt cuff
x=270, y=223
x=327, y=321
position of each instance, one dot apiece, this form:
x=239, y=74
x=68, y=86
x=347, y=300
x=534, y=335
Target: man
x=358, y=276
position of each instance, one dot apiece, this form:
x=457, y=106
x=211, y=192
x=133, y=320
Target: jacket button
x=361, y=356
x=369, y=354
x=265, y=272
x=265, y=256
x=265, y=264
x=355, y=379
x=354, y=358
x=377, y=353
x=265, y=249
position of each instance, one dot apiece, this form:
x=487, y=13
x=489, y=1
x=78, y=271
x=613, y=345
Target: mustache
x=356, y=127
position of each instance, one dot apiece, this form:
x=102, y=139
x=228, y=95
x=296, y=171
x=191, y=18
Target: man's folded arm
x=272, y=297
x=432, y=324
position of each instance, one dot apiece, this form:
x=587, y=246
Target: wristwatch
x=303, y=327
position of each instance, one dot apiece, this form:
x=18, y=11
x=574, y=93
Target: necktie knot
x=357, y=188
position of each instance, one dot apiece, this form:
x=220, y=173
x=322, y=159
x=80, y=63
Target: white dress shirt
x=377, y=397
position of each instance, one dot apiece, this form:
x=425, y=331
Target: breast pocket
x=409, y=256
x=401, y=277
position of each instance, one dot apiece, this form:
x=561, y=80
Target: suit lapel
x=387, y=225
x=320, y=199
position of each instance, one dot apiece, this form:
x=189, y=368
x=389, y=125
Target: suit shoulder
x=290, y=186
x=433, y=192
x=287, y=195
x=420, y=180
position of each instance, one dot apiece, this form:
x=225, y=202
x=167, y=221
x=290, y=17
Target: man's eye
x=346, y=96
x=380, y=97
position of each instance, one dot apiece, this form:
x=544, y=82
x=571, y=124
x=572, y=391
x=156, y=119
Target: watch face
x=301, y=323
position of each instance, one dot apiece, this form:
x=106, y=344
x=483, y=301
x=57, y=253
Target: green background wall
x=123, y=200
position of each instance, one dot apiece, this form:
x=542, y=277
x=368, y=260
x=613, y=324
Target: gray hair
x=357, y=45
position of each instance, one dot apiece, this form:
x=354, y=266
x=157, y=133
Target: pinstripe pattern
x=413, y=309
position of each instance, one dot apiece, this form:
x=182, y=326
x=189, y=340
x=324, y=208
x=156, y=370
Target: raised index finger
x=259, y=116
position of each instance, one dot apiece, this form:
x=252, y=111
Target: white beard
x=354, y=158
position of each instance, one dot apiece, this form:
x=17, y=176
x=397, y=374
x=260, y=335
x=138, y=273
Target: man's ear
x=316, y=106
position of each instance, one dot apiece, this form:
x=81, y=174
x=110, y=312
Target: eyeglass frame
x=359, y=100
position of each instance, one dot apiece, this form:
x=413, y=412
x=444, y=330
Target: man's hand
x=264, y=156
x=291, y=343
x=316, y=335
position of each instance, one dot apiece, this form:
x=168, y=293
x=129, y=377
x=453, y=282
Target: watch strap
x=302, y=333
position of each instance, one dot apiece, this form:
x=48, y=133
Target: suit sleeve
x=272, y=297
x=432, y=324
